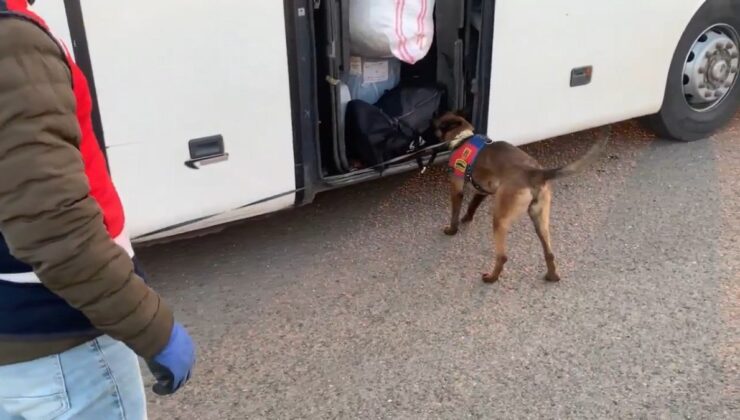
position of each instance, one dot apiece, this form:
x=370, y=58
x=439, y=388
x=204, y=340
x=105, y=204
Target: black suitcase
x=398, y=124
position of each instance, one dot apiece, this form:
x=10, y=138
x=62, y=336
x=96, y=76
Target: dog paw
x=552, y=277
x=466, y=219
x=449, y=230
x=489, y=278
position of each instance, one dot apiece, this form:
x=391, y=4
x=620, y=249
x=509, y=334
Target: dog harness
x=462, y=160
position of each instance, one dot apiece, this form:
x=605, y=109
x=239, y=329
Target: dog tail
x=586, y=160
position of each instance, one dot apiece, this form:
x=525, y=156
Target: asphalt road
x=358, y=307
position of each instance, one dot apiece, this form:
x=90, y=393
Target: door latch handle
x=206, y=151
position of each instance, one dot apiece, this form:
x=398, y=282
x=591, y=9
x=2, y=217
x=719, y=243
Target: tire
x=678, y=119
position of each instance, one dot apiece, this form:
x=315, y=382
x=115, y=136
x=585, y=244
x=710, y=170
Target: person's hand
x=173, y=365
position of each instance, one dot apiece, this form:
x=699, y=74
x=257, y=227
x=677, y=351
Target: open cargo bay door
x=384, y=78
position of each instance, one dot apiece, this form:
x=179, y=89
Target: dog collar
x=461, y=138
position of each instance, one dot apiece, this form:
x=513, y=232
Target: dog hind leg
x=509, y=205
x=539, y=212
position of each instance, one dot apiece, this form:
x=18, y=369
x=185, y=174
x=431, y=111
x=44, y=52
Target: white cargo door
x=537, y=44
x=170, y=71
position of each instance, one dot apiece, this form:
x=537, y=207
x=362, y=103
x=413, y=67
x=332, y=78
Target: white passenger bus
x=215, y=111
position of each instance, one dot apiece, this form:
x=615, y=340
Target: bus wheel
x=703, y=89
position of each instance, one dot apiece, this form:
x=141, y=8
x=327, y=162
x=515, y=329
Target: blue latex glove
x=173, y=365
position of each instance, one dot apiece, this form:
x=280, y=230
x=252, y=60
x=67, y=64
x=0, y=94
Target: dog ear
x=460, y=113
x=449, y=124
x=447, y=116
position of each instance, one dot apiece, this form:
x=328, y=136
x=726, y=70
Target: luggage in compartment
x=397, y=125
x=369, y=79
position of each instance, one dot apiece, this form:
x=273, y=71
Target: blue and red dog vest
x=462, y=160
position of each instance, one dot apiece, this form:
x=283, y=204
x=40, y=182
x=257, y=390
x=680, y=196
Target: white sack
x=387, y=28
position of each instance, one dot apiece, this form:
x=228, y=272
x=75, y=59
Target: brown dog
x=518, y=181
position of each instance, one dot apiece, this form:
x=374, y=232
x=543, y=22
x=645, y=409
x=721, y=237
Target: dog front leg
x=456, y=198
x=473, y=207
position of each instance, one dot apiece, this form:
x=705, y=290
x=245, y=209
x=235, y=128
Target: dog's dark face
x=450, y=125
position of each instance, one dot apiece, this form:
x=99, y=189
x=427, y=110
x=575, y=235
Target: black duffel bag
x=398, y=124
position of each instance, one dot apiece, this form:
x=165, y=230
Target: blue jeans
x=98, y=380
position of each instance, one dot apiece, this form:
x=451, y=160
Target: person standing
x=74, y=309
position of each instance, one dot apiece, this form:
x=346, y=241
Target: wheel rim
x=711, y=68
